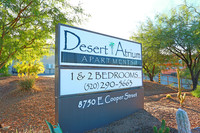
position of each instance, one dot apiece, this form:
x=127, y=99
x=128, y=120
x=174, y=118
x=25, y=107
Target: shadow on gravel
x=153, y=88
x=10, y=92
x=7, y=84
x=138, y=122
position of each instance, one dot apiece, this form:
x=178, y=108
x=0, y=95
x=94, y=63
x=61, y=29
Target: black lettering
x=82, y=46
x=110, y=75
x=90, y=75
x=116, y=75
x=126, y=75
x=119, y=48
x=66, y=38
x=98, y=75
x=136, y=75
x=132, y=75
x=121, y=75
x=96, y=48
x=104, y=75
x=105, y=49
x=89, y=49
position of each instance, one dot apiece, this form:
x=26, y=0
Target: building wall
x=49, y=64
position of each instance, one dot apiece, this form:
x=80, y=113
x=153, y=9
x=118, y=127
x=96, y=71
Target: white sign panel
x=85, y=48
x=75, y=81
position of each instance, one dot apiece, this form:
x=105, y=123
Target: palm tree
x=112, y=45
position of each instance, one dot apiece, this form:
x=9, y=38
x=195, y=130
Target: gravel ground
x=28, y=110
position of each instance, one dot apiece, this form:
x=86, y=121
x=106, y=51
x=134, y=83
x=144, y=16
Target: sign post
x=98, y=79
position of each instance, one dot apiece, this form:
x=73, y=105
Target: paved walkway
x=45, y=75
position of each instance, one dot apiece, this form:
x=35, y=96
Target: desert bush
x=26, y=83
x=28, y=71
x=168, y=96
x=196, y=93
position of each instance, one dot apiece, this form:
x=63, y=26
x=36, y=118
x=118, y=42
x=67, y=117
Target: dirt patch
x=21, y=110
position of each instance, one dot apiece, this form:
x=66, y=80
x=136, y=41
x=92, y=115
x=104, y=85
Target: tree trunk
x=150, y=77
x=195, y=77
x=148, y=71
x=1, y=65
x=195, y=81
x=194, y=84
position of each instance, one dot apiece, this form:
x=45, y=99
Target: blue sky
x=120, y=18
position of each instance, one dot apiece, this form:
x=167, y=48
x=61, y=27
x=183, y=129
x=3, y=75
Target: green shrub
x=196, y=92
x=162, y=129
x=5, y=75
x=4, y=72
x=4, y=69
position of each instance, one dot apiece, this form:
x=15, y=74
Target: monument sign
x=98, y=78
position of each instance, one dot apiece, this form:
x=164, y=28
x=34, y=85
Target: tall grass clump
x=26, y=83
